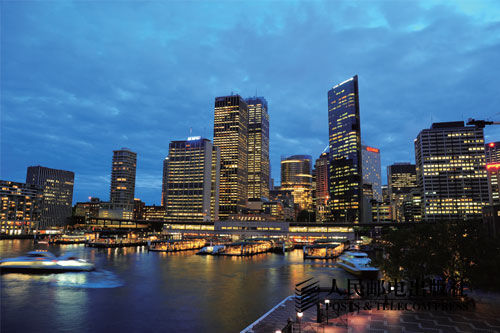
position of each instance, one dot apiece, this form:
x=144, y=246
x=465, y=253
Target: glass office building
x=231, y=136
x=345, y=176
x=57, y=197
x=191, y=182
x=258, y=149
x=451, y=171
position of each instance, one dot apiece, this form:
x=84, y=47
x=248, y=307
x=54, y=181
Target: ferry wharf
x=485, y=317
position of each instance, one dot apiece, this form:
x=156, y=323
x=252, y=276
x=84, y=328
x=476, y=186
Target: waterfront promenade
x=484, y=318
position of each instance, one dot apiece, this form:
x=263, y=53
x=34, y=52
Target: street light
x=299, y=316
x=327, y=301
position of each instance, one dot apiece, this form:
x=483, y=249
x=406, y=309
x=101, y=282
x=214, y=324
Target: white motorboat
x=357, y=263
x=215, y=249
x=45, y=262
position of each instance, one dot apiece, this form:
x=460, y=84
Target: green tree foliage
x=455, y=249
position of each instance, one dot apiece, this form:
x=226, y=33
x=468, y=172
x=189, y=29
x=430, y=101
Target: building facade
x=191, y=183
x=345, y=174
x=370, y=158
x=89, y=209
x=20, y=207
x=451, y=171
x=258, y=149
x=123, y=179
x=401, y=180
x=296, y=177
x=321, y=194
x=493, y=171
x=231, y=136
x=57, y=190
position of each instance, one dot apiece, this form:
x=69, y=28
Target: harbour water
x=134, y=290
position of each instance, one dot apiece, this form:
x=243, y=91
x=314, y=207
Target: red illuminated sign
x=493, y=166
x=492, y=144
x=374, y=150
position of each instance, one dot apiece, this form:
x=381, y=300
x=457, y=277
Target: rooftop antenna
x=190, y=131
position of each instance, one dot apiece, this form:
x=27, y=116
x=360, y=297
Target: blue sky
x=79, y=79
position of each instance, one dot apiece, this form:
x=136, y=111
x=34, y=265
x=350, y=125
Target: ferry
x=214, y=249
x=358, y=263
x=45, y=262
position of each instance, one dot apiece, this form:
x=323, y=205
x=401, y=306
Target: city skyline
x=68, y=125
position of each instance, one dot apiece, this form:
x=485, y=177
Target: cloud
x=79, y=79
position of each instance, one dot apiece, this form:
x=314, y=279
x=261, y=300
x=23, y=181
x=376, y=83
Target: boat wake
x=98, y=279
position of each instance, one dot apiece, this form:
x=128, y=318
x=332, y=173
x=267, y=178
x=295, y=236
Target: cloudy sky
x=79, y=79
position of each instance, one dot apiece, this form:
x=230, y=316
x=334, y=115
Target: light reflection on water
x=133, y=289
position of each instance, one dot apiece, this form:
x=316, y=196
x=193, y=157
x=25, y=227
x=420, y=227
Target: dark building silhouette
x=345, y=174
x=57, y=194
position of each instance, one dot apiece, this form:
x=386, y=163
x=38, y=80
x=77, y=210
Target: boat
x=214, y=249
x=178, y=245
x=45, y=262
x=358, y=263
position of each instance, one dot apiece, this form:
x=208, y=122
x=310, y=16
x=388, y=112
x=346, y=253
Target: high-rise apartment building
x=231, y=136
x=321, y=194
x=402, y=180
x=192, y=172
x=20, y=207
x=451, y=171
x=123, y=179
x=258, y=149
x=57, y=188
x=493, y=170
x=370, y=158
x=345, y=152
x=296, y=177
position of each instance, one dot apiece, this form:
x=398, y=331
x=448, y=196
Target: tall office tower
x=123, y=179
x=345, y=174
x=370, y=158
x=231, y=136
x=296, y=177
x=451, y=172
x=57, y=187
x=191, y=182
x=401, y=180
x=20, y=207
x=493, y=169
x=322, y=194
x=258, y=149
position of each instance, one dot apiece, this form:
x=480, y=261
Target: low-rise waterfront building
x=20, y=207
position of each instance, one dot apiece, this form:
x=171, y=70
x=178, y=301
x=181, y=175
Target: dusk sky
x=80, y=79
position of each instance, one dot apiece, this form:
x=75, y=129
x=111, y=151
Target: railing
x=249, y=329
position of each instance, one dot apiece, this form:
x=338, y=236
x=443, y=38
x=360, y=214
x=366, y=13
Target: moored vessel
x=358, y=263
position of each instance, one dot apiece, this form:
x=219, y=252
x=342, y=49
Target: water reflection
x=132, y=287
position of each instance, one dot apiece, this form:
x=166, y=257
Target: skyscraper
x=192, y=171
x=345, y=151
x=296, y=177
x=57, y=188
x=401, y=180
x=371, y=170
x=322, y=194
x=258, y=149
x=231, y=136
x=123, y=179
x=451, y=172
x=493, y=170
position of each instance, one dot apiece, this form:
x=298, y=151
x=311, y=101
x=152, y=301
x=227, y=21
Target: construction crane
x=481, y=123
